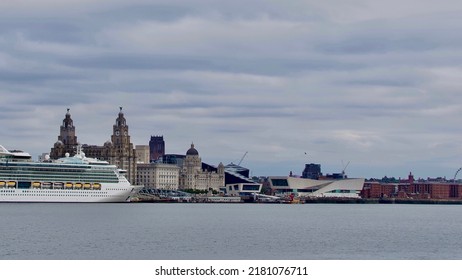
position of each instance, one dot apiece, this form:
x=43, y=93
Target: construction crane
x=242, y=159
x=344, y=168
x=457, y=172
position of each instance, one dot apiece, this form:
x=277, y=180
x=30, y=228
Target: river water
x=144, y=231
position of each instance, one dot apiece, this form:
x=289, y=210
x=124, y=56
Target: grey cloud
x=264, y=66
x=44, y=30
x=33, y=77
x=158, y=12
x=296, y=76
x=415, y=34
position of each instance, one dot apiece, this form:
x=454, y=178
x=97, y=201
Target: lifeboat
x=2, y=184
x=78, y=185
x=86, y=185
x=96, y=186
x=58, y=185
x=69, y=185
x=11, y=184
x=36, y=185
x=46, y=185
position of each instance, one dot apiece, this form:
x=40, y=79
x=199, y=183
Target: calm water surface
x=229, y=231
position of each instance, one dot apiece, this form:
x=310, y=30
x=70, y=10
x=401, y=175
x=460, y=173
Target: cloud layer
x=373, y=83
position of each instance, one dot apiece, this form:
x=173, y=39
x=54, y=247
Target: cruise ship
x=69, y=179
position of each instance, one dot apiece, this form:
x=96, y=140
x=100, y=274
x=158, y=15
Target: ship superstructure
x=69, y=179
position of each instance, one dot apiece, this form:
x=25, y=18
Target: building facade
x=119, y=150
x=343, y=188
x=413, y=190
x=194, y=176
x=67, y=140
x=142, y=153
x=158, y=175
x=238, y=183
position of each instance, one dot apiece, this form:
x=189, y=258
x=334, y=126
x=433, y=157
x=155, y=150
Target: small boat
x=46, y=185
x=96, y=186
x=69, y=185
x=58, y=185
x=86, y=185
x=11, y=184
x=36, y=185
x=2, y=184
x=78, y=185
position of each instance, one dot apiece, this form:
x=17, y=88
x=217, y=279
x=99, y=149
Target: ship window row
x=5, y=171
x=61, y=175
x=59, y=167
x=60, y=195
x=46, y=192
x=60, y=171
x=58, y=191
x=60, y=178
x=67, y=170
x=42, y=168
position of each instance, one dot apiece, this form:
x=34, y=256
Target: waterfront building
x=342, y=188
x=156, y=147
x=67, y=140
x=197, y=176
x=142, y=153
x=238, y=183
x=119, y=150
x=413, y=190
x=158, y=176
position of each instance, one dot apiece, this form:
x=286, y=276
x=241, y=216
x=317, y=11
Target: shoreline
x=320, y=200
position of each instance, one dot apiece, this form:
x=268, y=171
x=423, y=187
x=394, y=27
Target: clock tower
x=120, y=137
x=122, y=153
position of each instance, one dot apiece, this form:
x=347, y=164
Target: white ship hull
x=108, y=193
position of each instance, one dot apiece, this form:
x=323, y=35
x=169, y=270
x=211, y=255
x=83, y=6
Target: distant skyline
x=373, y=83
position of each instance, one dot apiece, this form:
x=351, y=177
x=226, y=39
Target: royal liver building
x=118, y=151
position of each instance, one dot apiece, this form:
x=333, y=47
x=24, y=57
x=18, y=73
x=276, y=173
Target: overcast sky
x=374, y=83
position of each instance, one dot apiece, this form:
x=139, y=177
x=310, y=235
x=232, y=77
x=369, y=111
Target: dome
x=59, y=143
x=192, y=151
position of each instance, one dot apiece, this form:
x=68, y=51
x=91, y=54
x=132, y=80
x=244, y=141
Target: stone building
x=67, y=141
x=158, y=175
x=119, y=150
x=142, y=153
x=193, y=175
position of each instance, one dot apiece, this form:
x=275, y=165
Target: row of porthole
x=14, y=194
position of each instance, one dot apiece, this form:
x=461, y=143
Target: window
x=250, y=187
x=280, y=182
